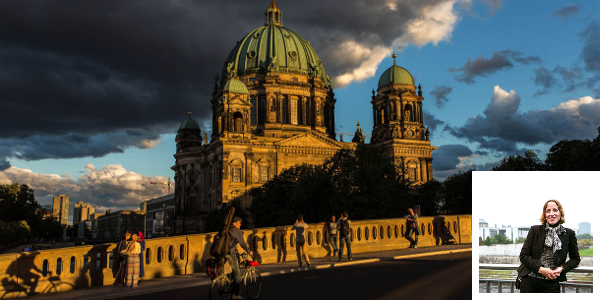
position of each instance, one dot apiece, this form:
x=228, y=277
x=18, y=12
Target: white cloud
x=435, y=25
x=112, y=187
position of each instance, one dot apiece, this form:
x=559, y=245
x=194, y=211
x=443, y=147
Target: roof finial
x=190, y=114
x=394, y=57
x=273, y=15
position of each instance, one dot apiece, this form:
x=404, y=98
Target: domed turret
x=395, y=75
x=189, y=124
x=235, y=86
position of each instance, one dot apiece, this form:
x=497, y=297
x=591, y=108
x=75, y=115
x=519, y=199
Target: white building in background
x=511, y=232
x=584, y=227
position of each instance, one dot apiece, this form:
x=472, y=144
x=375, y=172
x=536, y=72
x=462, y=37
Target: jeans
x=237, y=278
x=333, y=238
x=301, y=251
x=348, y=246
x=410, y=234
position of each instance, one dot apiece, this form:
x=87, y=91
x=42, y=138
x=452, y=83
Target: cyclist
x=236, y=237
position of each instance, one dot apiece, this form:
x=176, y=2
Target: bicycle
x=220, y=287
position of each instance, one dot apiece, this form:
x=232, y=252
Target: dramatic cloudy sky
x=93, y=92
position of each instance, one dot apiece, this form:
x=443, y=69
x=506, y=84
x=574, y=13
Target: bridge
x=56, y=270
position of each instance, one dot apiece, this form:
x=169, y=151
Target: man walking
x=301, y=250
x=236, y=237
x=343, y=227
x=413, y=220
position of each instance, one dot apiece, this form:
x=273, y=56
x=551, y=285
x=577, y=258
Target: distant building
x=512, y=233
x=159, y=215
x=584, y=227
x=482, y=223
x=111, y=225
x=94, y=218
x=60, y=209
x=82, y=212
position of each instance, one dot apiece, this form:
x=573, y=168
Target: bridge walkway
x=186, y=281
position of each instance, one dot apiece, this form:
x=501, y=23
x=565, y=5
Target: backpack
x=344, y=228
x=216, y=267
x=220, y=246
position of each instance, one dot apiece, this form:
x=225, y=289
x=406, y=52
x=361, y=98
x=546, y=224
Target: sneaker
x=415, y=246
x=237, y=297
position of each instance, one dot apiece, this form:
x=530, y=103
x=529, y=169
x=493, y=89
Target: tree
x=430, y=197
x=584, y=236
x=215, y=218
x=529, y=161
x=17, y=202
x=458, y=193
x=519, y=240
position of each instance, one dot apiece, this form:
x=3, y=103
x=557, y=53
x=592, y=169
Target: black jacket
x=534, y=245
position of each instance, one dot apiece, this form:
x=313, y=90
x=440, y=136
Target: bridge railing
x=63, y=269
x=499, y=283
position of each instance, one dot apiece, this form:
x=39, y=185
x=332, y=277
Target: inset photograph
x=535, y=231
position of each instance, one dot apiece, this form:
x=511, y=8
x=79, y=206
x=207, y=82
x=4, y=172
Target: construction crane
x=168, y=184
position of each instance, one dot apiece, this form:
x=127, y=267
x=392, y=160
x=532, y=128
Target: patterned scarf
x=552, y=239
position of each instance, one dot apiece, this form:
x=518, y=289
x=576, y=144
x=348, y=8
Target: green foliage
x=519, y=240
x=430, y=196
x=529, y=161
x=458, y=194
x=584, y=236
x=361, y=181
x=216, y=217
x=21, y=217
x=587, y=252
x=497, y=239
x=575, y=155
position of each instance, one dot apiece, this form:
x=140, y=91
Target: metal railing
x=563, y=285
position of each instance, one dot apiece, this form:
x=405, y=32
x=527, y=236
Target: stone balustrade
x=64, y=269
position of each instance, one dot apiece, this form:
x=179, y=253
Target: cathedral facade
x=272, y=108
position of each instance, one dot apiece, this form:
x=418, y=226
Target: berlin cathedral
x=272, y=108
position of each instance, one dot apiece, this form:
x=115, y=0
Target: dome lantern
x=273, y=15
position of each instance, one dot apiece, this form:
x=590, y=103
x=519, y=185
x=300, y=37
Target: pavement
x=199, y=279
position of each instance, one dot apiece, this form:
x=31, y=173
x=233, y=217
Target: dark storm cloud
x=74, y=73
x=566, y=12
x=484, y=67
x=591, y=51
x=440, y=94
x=431, y=121
x=501, y=127
x=447, y=156
x=543, y=78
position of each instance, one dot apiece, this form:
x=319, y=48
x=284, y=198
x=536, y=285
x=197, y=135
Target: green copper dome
x=273, y=48
x=189, y=124
x=395, y=75
x=235, y=86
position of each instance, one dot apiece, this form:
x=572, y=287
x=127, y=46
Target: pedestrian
x=301, y=250
x=122, y=258
x=236, y=236
x=543, y=256
x=142, y=242
x=413, y=225
x=333, y=236
x=343, y=225
x=133, y=261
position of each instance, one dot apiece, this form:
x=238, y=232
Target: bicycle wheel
x=220, y=289
x=252, y=283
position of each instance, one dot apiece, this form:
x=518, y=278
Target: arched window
x=382, y=118
x=262, y=110
x=238, y=121
x=236, y=168
x=408, y=116
x=412, y=171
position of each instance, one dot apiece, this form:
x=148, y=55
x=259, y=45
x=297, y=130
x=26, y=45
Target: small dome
x=395, y=75
x=189, y=124
x=235, y=86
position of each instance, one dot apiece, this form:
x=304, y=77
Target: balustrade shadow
x=21, y=281
x=441, y=232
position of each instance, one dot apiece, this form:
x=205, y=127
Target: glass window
x=262, y=110
x=284, y=110
x=253, y=111
x=236, y=175
x=412, y=174
x=294, y=111
x=264, y=173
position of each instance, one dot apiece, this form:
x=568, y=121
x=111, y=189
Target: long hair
x=560, y=209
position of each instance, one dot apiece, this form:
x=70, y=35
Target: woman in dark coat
x=544, y=253
x=142, y=242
